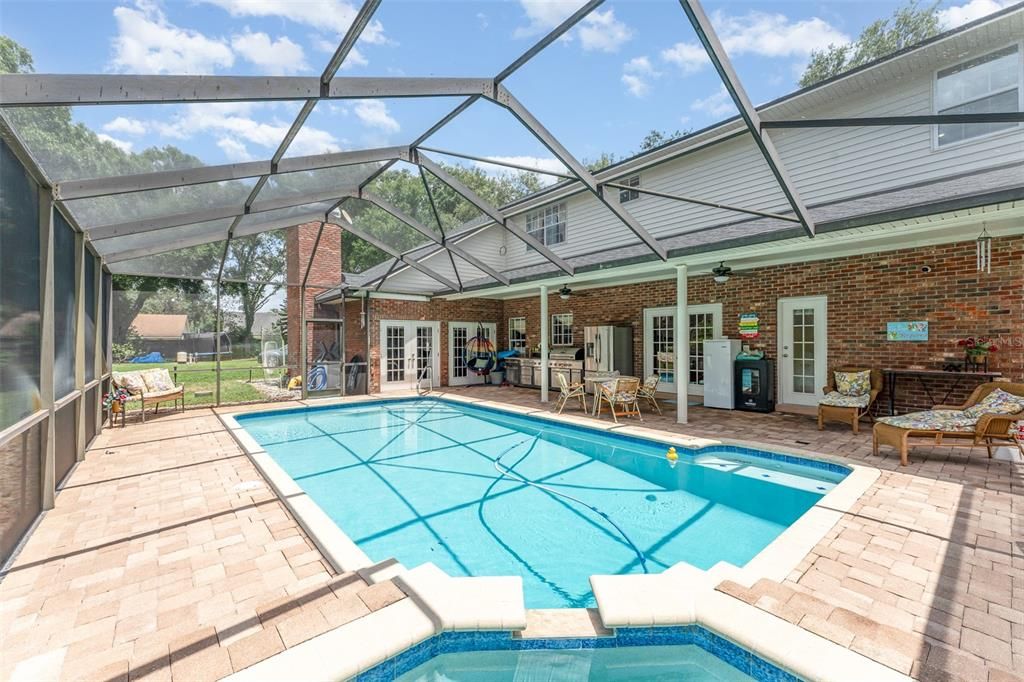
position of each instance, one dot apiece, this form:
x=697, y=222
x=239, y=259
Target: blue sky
x=629, y=67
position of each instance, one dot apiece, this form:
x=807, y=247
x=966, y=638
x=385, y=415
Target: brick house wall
x=865, y=292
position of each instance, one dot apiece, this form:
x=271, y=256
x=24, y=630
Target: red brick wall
x=864, y=292
x=325, y=271
x=470, y=310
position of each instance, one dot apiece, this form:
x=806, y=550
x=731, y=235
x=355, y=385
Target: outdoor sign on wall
x=750, y=326
x=907, y=331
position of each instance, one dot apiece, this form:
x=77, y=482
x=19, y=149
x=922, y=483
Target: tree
x=252, y=271
x=656, y=138
x=908, y=25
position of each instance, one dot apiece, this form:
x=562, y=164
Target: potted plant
x=115, y=400
x=977, y=350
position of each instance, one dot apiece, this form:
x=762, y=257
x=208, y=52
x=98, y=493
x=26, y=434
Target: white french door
x=459, y=334
x=409, y=349
x=659, y=343
x=803, y=349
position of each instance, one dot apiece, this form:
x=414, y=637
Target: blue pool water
x=416, y=480
x=678, y=663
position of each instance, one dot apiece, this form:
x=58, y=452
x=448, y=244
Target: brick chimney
x=325, y=272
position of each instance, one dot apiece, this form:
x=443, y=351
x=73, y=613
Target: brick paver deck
x=168, y=557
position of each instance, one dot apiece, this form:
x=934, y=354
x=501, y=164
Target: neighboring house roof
x=160, y=326
x=263, y=320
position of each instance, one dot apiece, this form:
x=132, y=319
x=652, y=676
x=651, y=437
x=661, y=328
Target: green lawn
x=201, y=377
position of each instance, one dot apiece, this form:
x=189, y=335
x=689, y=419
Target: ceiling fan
x=564, y=292
x=723, y=272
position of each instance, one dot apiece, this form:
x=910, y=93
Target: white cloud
x=123, y=145
x=233, y=149
x=601, y=31
x=374, y=113
x=544, y=15
x=958, y=15
x=274, y=57
x=716, y=105
x=334, y=16
x=541, y=163
x=147, y=43
x=689, y=57
x=236, y=128
x=126, y=126
x=775, y=35
x=637, y=74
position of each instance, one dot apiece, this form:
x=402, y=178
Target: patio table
x=892, y=374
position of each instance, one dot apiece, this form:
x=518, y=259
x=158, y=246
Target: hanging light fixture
x=564, y=292
x=984, y=251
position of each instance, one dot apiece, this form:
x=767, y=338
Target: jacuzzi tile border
x=724, y=649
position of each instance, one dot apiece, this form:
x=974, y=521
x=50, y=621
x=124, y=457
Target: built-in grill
x=527, y=371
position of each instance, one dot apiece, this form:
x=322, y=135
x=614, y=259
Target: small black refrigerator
x=755, y=385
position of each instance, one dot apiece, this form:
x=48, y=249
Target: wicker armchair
x=848, y=414
x=959, y=429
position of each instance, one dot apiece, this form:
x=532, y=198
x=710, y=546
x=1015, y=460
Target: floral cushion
x=853, y=383
x=623, y=397
x=933, y=420
x=997, y=402
x=130, y=381
x=837, y=399
x=157, y=380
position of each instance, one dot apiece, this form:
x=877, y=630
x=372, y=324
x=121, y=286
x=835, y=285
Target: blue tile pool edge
x=724, y=649
x=796, y=460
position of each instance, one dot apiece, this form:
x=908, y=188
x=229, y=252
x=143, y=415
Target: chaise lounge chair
x=985, y=417
x=152, y=387
x=848, y=403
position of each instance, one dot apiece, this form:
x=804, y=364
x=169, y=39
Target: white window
x=548, y=224
x=629, y=194
x=517, y=332
x=984, y=85
x=561, y=329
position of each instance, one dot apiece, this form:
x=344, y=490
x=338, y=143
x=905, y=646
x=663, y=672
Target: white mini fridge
x=719, y=355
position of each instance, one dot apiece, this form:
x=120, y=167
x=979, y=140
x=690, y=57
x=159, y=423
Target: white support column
x=544, y=332
x=97, y=358
x=80, y=359
x=682, y=334
x=46, y=342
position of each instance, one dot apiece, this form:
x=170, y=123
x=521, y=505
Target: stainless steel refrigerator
x=608, y=349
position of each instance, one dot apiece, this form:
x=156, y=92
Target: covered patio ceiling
x=228, y=202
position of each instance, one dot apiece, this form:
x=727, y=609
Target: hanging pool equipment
x=480, y=356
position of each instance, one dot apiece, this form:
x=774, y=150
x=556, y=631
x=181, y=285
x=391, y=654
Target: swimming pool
x=457, y=485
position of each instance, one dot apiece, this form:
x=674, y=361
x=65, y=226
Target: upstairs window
x=985, y=85
x=548, y=224
x=629, y=194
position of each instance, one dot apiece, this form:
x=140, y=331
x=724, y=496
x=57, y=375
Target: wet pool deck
x=169, y=557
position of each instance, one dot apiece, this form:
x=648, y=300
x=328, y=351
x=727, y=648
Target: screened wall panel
x=19, y=291
x=107, y=286
x=64, y=446
x=90, y=317
x=64, y=312
x=20, y=486
x=91, y=397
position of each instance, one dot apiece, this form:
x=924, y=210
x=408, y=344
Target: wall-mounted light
x=564, y=292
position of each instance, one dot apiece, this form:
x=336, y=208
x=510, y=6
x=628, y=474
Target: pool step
x=563, y=623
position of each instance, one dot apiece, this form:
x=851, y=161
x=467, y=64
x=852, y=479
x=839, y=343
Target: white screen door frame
x=803, y=362
x=655, y=321
x=458, y=334
x=404, y=346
